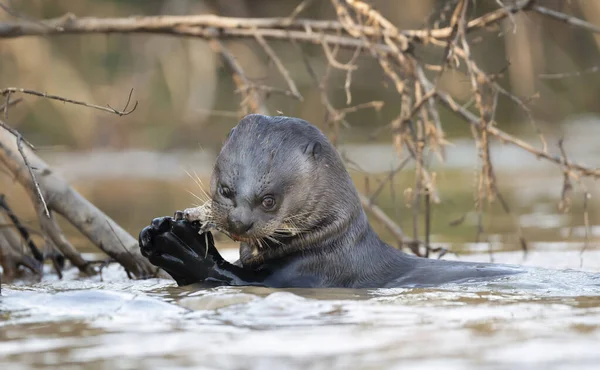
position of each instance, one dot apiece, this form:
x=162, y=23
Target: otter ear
x=313, y=149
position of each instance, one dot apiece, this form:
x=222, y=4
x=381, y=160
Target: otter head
x=276, y=180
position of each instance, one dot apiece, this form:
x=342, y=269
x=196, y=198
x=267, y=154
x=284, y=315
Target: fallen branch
x=21, y=229
x=12, y=256
x=62, y=199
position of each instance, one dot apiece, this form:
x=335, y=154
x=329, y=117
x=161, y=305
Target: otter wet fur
x=281, y=189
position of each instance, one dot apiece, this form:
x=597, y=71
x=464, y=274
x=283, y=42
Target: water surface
x=547, y=319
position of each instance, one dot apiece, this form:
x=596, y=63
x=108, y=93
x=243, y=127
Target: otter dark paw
x=177, y=247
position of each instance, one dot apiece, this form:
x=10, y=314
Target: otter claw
x=162, y=224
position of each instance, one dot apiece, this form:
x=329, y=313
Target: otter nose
x=240, y=221
x=238, y=227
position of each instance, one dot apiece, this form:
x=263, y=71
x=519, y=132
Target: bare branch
x=448, y=101
x=33, y=179
x=124, y=112
x=65, y=201
x=9, y=104
x=568, y=19
x=557, y=76
x=21, y=229
x=251, y=98
x=284, y=72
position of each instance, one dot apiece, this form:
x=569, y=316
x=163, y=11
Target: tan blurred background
x=134, y=167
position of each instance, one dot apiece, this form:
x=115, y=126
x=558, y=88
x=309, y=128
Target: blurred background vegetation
x=179, y=81
x=187, y=105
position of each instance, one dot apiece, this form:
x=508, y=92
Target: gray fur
x=294, y=161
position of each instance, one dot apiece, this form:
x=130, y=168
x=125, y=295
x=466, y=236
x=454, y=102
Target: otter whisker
x=287, y=232
x=297, y=216
x=206, y=244
x=273, y=240
x=195, y=196
x=193, y=179
x=291, y=229
x=198, y=182
x=259, y=243
x=201, y=186
x=291, y=224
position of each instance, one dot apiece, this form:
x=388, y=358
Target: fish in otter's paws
x=201, y=214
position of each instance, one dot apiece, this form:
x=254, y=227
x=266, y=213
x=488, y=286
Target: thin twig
x=33, y=179
x=21, y=229
x=586, y=225
x=124, y=112
x=20, y=141
x=449, y=102
x=8, y=104
x=565, y=197
x=388, y=178
x=284, y=72
x=573, y=21
x=556, y=76
x=297, y=10
x=427, y=222
x=251, y=101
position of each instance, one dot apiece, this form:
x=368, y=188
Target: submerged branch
x=64, y=200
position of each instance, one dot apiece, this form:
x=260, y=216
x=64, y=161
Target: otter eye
x=224, y=191
x=268, y=202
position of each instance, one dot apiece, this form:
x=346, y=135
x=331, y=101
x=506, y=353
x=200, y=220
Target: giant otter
x=280, y=188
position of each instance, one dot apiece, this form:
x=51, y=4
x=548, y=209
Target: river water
x=546, y=319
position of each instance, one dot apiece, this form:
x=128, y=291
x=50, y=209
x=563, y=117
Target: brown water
x=547, y=319
x=544, y=320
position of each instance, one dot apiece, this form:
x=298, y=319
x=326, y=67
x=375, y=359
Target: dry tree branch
x=565, y=198
x=38, y=191
x=284, y=72
x=450, y=103
x=124, y=112
x=388, y=223
x=334, y=115
x=557, y=76
x=210, y=26
x=84, y=216
x=8, y=104
x=297, y=10
x=573, y=21
x=21, y=229
x=12, y=255
x=50, y=193
x=586, y=225
x=334, y=63
x=251, y=100
x=348, y=80
x=11, y=90
x=388, y=178
x=14, y=132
